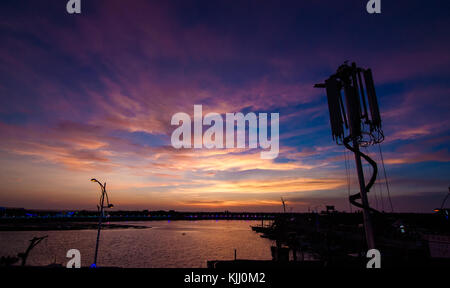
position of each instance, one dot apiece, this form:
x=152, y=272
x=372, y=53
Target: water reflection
x=166, y=244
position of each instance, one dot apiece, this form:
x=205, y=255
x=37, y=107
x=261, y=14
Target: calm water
x=166, y=244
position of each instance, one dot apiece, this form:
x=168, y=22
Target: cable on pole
x=386, y=178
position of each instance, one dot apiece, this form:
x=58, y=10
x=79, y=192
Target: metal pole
x=99, y=225
x=362, y=186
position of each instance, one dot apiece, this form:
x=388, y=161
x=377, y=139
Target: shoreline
x=64, y=226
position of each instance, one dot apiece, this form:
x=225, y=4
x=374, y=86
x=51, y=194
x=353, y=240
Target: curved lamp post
x=100, y=207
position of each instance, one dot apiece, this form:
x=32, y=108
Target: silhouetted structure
x=33, y=243
x=353, y=122
x=101, y=208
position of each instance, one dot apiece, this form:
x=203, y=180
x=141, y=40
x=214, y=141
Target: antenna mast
x=355, y=119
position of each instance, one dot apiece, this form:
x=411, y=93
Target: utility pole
x=356, y=120
x=365, y=202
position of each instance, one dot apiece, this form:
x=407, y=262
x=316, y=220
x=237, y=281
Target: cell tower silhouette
x=355, y=118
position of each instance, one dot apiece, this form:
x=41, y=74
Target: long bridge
x=20, y=213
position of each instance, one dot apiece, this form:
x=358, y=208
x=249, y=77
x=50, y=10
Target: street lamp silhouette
x=101, y=208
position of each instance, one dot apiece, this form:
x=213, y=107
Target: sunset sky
x=92, y=95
